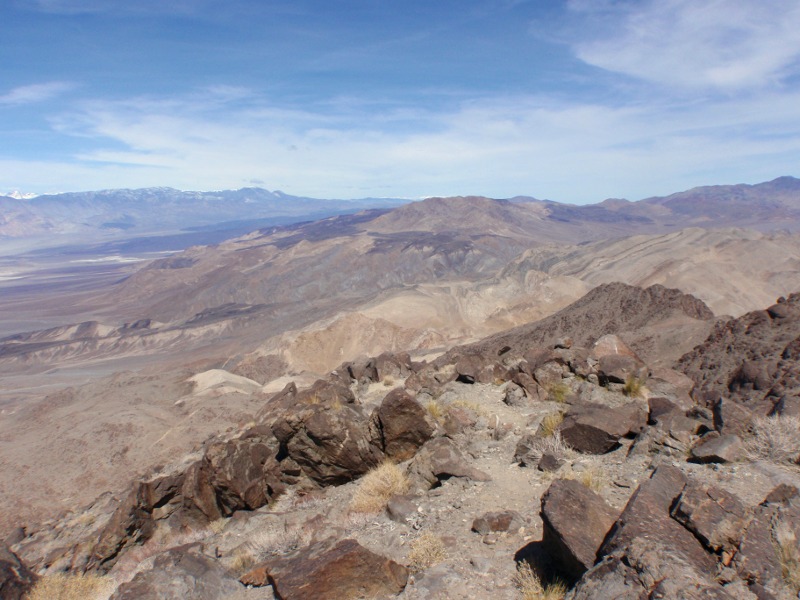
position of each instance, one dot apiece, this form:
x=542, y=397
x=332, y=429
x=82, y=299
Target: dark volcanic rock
x=596, y=429
x=404, y=423
x=16, y=580
x=714, y=448
x=714, y=515
x=332, y=444
x=575, y=520
x=330, y=570
x=749, y=359
x=179, y=574
x=508, y=520
x=440, y=459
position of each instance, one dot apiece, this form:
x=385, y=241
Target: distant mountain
x=128, y=213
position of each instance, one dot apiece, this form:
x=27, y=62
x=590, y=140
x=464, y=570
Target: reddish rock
x=596, y=429
x=714, y=515
x=177, y=575
x=330, y=570
x=404, y=423
x=332, y=444
x=439, y=459
x=16, y=580
x=489, y=522
x=575, y=521
x=647, y=516
x=714, y=448
x=730, y=417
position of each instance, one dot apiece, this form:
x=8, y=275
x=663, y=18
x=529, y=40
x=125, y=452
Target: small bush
x=788, y=554
x=550, y=423
x=388, y=381
x=435, y=410
x=558, y=392
x=470, y=405
x=552, y=444
x=377, y=487
x=776, y=439
x=531, y=588
x=633, y=388
x=426, y=551
x=591, y=477
x=72, y=587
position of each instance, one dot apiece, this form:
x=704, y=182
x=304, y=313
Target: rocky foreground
x=552, y=459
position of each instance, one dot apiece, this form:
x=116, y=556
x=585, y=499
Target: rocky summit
x=577, y=457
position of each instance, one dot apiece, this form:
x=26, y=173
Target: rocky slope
x=538, y=459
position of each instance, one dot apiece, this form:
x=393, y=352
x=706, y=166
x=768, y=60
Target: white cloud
x=38, y=92
x=499, y=147
x=728, y=45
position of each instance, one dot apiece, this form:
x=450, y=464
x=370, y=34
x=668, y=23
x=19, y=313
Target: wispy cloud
x=38, y=92
x=728, y=45
x=495, y=146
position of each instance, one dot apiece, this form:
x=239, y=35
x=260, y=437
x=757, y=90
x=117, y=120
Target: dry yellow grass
x=426, y=551
x=558, y=392
x=377, y=487
x=591, y=477
x=435, y=410
x=531, y=588
x=776, y=439
x=788, y=554
x=550, y=423
x=72, y=587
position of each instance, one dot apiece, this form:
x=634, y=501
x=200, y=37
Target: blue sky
x=575, y=101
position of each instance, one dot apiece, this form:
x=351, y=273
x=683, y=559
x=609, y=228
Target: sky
x=574, y=101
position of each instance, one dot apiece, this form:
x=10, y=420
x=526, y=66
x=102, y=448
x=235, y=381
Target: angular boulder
x=489, y=522
x=179, y=574
x=596, y=429
x=576, y=521
x=440, y=459
x=714, y=448
x=714, y=515
x=16, y=580
x=404, y=423
x=330, y=570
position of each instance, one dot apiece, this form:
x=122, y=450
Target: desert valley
x=453, y=397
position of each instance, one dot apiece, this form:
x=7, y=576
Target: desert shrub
x=552, y=444
x=776, y=439
x=550, y=423
x=591, y=477
x=72, y=587
x=531, y=587
x=634, y=387
x=388, y=381
x=788, y=554
x=470, y=405
x=426, y=551
x=435, y=410
x=558, y=392
x=377, y=487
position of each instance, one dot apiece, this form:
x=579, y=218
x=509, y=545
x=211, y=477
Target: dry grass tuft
x=531, y=588
x=388, y=381
x=553, y=444
x=558, y=392
x=633, y=388
x=470, y=405
x=788, y=554
x=426, y=551
x=776, y=439
x=72, y=587
x=591, y=477
x=377, y=487
x=435, y=410
x=550, y=423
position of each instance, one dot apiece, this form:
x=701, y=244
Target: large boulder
x=179, y=574
x=576, y=521
x=596, y=429
x=440, y=459
x=330, y=570
x=332, y=443
x=16, y=580
x=714, y=515
x=404, y=423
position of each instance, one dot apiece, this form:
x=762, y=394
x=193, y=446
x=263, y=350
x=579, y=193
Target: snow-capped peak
x=17, y=195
